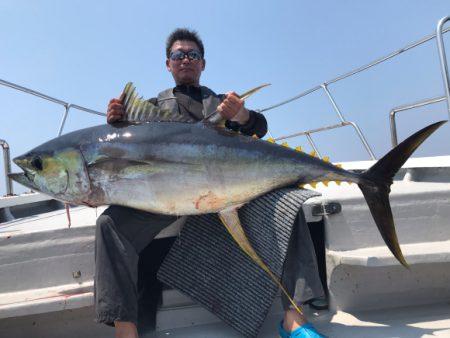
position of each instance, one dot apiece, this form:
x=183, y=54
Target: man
x=122, y=233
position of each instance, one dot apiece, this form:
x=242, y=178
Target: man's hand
x=232, y=108
x=116, y=110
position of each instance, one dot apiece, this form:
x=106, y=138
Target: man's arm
x=241, y=119
x=116, y=109
x=256, y=125
x=238, y=117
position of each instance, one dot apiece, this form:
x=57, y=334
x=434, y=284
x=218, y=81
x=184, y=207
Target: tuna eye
x=36, y=162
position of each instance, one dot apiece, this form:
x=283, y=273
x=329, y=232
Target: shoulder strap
x=210, y=100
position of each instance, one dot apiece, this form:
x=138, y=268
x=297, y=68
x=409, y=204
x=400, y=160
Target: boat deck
x=425, y=321
x=47, y=268
x=411, y=322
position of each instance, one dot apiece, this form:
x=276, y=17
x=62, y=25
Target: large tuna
x=178, y=167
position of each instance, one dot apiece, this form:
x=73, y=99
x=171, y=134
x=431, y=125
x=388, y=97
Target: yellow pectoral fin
x=230, y=220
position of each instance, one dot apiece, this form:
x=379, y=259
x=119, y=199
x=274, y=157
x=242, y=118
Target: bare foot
x=293, y=320
x=126, y=330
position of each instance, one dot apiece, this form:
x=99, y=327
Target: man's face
x=185, y=71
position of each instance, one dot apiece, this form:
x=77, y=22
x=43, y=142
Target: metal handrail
x=343, y=123
x=445, y=77
x=67, y=106
x=7, y=165
x=343, y=120
x=438, y=35
x=396, y=110
x=308, y=133
x=355, y=71
x=443, y=58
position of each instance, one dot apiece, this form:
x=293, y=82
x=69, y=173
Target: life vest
x=168, y=101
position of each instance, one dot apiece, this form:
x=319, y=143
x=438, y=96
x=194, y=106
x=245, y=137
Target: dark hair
x=184, y=34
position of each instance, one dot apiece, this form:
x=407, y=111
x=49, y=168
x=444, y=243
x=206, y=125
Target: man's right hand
x=116, y=110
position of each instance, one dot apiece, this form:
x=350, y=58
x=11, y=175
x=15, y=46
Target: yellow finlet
x=338, y=182
x=285, y=144
x=254, y=136
x=298, y=148
x=326, y=159
x=325, y=183
x=339, y=165
x=313, y=185
x=270, y=140
x=313, y=153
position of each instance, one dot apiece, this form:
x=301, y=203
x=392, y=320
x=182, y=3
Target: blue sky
x=84, y=52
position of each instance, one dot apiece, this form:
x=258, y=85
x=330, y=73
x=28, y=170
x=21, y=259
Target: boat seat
x=362, y=273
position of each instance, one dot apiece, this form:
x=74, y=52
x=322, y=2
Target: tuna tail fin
x=376, y=182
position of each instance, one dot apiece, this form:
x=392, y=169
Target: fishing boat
x=47, y=268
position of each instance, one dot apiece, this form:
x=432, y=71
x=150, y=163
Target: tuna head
x=61, y=174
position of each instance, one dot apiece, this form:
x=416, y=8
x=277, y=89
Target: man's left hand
x=232, y=108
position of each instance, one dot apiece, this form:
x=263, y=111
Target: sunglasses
x=180, y=55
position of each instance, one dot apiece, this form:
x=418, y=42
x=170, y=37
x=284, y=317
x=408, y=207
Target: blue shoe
x=304, y=331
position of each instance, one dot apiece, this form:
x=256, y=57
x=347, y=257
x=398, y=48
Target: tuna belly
x=169, y=198
x=184, y=193
x=193, y=186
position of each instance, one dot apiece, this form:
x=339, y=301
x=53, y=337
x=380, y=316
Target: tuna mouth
x=24, y=179
x=27, y=179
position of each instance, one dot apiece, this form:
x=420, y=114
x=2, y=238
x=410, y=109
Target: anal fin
x=232, y=223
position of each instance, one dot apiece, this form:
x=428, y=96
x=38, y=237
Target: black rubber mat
x=206, y=264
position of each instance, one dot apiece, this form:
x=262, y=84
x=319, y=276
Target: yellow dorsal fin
x=139, y=110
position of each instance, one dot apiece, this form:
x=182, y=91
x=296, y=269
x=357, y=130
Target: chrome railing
x=443, y=58
x=343, y=122
x=445, y=77
x=67, y=106
x=7, y=166
x=308, y=133
x=396, y=110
